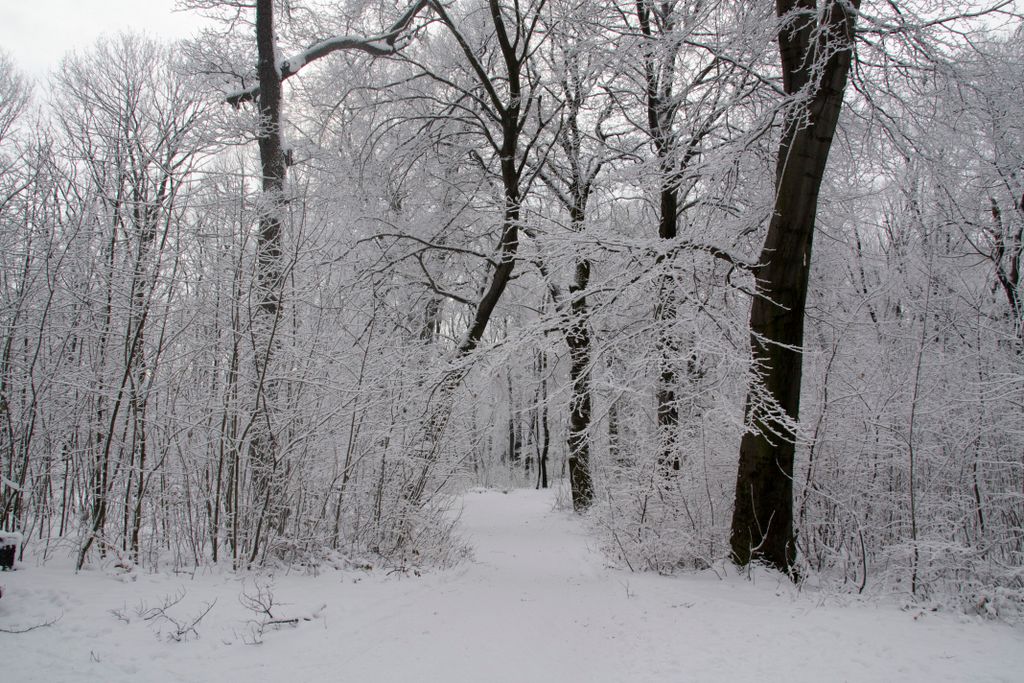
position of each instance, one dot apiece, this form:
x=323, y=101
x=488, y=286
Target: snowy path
x=535, y=605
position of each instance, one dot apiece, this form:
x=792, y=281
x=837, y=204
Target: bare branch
x=26, y=629
x=387, y=43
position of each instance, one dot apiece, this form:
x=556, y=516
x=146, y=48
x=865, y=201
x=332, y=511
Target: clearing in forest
x=535, y=603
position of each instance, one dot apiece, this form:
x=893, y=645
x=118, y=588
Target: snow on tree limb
x=386, y=43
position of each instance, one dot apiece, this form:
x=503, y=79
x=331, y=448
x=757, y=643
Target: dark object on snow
x=8, y=546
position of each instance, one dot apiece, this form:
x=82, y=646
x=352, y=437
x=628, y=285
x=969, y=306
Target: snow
x=535, y=603
x=5, y=482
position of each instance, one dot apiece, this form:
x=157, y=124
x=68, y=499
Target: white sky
x=38, y=32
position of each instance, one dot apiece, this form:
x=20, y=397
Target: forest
x=743, y=277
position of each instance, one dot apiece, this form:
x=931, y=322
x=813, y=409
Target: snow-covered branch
x=387, y=43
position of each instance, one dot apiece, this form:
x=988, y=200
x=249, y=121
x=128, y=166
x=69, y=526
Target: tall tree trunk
x=578, y=338
x=269, y=270
x=657, y=24
x=762, y=523
x=572, y=187
x=544, y=431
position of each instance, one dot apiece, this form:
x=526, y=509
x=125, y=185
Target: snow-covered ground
x=535, y=604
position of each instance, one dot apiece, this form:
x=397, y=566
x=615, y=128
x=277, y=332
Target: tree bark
x=578, y=338
x=545, y=431
x=269, y=271
x=762, y=523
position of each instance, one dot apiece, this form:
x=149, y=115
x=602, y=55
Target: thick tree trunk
x=762, y=523
x=269, y=271
x=272, y=163
x=578, y=339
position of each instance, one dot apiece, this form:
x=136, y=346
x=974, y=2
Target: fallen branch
x=34, y=627
x=262, y=603
x=180, y=628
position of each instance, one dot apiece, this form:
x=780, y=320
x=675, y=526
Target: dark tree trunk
x=515, y=436
x=668, y=350
x=1006, y=256
x=762, y=523
x=665, y=312
x=269, y=271
x=662, y=106
x=509, y=244
x=578, y=339
x=577, y=183
x=440, y=409
x=511, y=112
x=545, y=431
x=272, y=163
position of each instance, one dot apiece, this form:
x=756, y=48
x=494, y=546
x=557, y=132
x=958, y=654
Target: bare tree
x=497, y=97
x=130, y=122
x=270, y=269
x=815, y=47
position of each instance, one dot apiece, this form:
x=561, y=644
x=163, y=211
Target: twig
x=33, y=628
x=181, y=628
